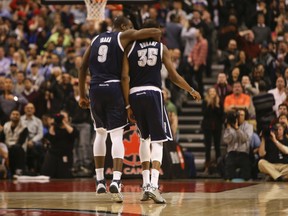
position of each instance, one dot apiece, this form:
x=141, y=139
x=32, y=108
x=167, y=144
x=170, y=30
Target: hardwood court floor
x=184, y=197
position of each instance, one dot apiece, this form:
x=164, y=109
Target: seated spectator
x=58, y=160
x=278, y=93
x=34, y=143
x=274, y=153
x=10, y=101
x=237, y=99
x=229, y=57
x=14, y=134
x=237, y=138
x=35, y=77
x=19, y=86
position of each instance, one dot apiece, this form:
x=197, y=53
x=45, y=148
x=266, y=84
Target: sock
x=117, y=175
x=146, y=177
x=99, y=174
x=154, y=177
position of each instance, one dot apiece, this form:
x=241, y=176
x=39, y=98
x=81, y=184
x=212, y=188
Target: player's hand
x=84, y=103
x=131, y=116
x=196, y=96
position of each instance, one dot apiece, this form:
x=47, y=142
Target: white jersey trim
x=144, y=88
x=161, y=50
x=110, y=81
x=119, y=41
x=133, y=45
x=94, y=40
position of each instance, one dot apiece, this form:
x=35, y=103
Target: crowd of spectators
x=41, y=48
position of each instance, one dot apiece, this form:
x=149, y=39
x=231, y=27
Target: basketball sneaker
x=145, y=192
x=115, y=190
x=101, y=186
x=156, y=196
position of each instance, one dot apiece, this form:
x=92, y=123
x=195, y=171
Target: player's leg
x=99, y=152
x=156, y=157
x=117, y=152
x=145, y=156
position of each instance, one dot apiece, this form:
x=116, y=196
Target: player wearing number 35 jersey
x=104, y=60
x=141, y=84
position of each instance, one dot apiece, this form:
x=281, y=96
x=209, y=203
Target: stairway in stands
x=191, y=137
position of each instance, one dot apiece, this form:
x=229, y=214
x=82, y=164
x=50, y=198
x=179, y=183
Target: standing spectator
x=58, y=160
x=229, y=57
x=212, y=125
x=237, y=99
x=222, y=87
x=173, y=32
x=19, y=86
x=274, y=152
x=278, y=93
x=177, y=10
x=14, y=134
x=34, y=153
x=197, y=59
x=81, y=120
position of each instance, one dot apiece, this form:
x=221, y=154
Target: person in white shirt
x=278, y=93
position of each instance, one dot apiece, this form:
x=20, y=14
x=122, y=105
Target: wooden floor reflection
x=184, y=197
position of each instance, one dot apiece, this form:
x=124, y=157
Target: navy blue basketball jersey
x=145, y=63
x=106, y=56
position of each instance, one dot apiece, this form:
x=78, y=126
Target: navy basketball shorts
x=107, y=106
x=150, y=114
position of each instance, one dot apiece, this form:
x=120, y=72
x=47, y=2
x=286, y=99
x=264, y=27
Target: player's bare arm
x=175, y=77
x=132, y=35
x=125, y=80
x=84, y=101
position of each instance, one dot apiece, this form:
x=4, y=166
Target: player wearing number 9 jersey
x=104, y=60
x=141, y=84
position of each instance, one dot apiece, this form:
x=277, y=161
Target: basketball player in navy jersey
x=141, y=65
x=104, y=60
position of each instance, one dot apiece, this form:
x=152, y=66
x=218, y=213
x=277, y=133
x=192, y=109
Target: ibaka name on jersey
x=105, y=40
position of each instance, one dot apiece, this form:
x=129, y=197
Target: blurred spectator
x=19, y=85
x=197, y=59
x=4, y=62
x=2, y=85
x=247, y=86
x=81, y=120
x=172, y=33
x=212, y=125
x=237, y=99
x=237, y=138
x=58, y=160
x=34, y=153
x=274, y=153
x=12, y=72
x=73, y=72
x=235, y=76
x=229, y=57
x=263, y=103
x=36, y=78
x=222, y=87
x=246, y=42
x=258, y=75
x=228, y=32
x=20, y=59
x=177, y=10
x=172, y=113
x=10, y=101
x=14, y=134
x=278, y=93
x=261, y=31
x=243, y=64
